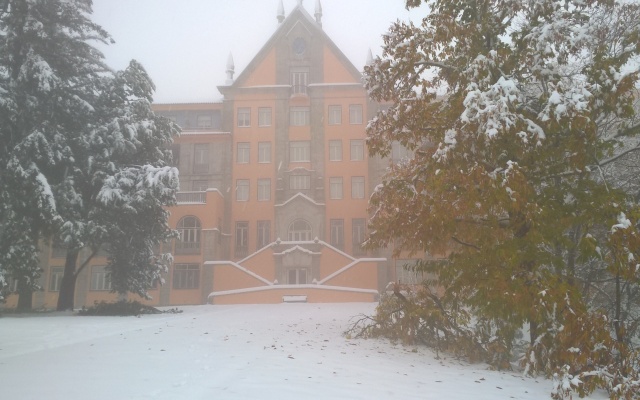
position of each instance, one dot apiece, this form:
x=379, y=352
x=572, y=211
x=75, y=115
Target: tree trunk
x=67, y=292
x=25, y=296
x=533, y=331
x=618, y=324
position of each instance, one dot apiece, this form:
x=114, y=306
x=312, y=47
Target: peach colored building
x=274, y=185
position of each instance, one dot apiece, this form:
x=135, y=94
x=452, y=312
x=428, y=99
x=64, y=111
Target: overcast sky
x=184, y=44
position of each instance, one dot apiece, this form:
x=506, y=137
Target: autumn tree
x=512, y=110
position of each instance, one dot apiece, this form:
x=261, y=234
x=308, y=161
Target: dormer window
x=299, y=80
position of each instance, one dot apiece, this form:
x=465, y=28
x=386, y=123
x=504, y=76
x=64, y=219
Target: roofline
x=281, y=26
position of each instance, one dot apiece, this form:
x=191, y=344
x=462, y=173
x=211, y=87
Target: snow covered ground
x=281, y=351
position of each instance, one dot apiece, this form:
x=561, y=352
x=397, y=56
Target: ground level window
x=337, y=233
x=186, y=276
x=264, y=233
x=297, y=276
x=100, y=279
x=242, y=239
x=12, y=285
x=357, y=237
x=56, y=279
x=405, y=275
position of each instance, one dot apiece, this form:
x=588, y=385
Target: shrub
x=123, y=308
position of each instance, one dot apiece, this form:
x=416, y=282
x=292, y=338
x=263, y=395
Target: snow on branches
x=510, y=109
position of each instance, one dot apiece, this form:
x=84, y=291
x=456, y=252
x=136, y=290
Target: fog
x=184, y=45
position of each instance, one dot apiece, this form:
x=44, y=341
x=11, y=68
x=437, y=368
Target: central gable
x=298, y=43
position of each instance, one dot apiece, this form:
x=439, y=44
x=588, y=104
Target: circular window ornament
x=299, y=46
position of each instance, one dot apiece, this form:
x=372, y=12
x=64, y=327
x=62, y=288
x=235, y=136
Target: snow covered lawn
x=282, y=351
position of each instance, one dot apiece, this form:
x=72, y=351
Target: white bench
x=294, y=299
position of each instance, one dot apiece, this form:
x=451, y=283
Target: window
x=55, y=279
x=297, y=276
x=12, y=285
x=355, y=114
x=357, y=187
x=357, y=235
x=357, y=150
x=201, y=158
x=407, y=275
x=243, y=153
x=242, y=190
x=335, y=115
x=188, y=241
x=399, y=152
x=100, y=279
x=175, y=155
x=264, y=116
x=300, y=151
x=264, y=233
x=264, y=152
x=204, y=121
x=299, y=80
x=335, y=187
x=186, y=276
x=335, y=150
x=299, y=116
x=299, y=230
x=336, y=227
x=299, y=182
x=200, y=186
x=244, y=117
x=242, y=239
x=264, y=189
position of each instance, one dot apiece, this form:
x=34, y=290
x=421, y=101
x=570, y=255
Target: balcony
x=299, y=91
x=191, y=197
x=187, y=247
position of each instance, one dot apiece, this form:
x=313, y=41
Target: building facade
x=274, y=185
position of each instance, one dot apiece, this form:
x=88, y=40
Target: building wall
x=300, y=75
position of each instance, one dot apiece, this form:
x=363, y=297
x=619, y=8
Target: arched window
x=299, y=230
x=188, y=241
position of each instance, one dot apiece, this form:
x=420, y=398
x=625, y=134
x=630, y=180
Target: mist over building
x=274, y=184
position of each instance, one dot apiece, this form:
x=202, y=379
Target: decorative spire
x=318, y=13
x=300, y=3
x=369, y=57
x=231, y=67
x=280, y=12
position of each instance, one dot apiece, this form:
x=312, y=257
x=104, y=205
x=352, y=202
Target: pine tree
x=114, y=196
x=70, y=128
x=47, y=70
x=505, y=106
